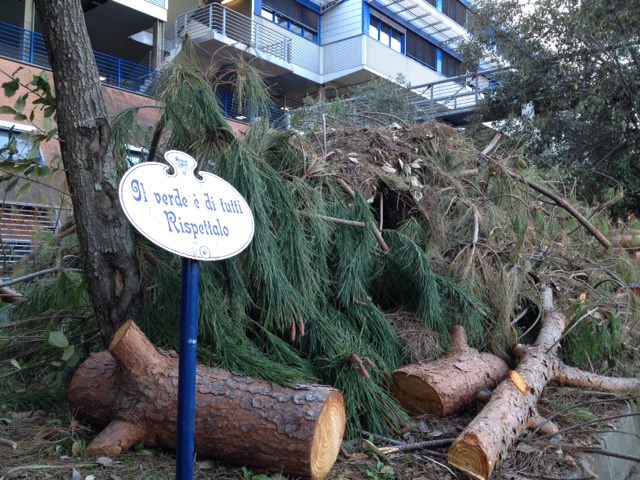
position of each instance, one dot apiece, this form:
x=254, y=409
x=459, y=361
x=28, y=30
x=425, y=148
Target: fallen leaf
x=104, y=461
x=76, y=448
x=205, y=465
x=58, y=339
x=524, y=448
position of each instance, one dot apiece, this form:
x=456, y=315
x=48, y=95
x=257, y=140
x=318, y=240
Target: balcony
x=153, y=8
x=28, y=47
x=278, y=50
x=217, y=22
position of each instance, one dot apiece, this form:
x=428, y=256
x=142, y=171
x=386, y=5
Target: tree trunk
x=132, y=390
x=513, y=406
x=445, y=385
x=105, y=236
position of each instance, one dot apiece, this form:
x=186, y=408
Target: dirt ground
x=50, y=446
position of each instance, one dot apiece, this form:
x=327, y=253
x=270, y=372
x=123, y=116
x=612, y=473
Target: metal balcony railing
x=232, y=110
x=215, y=18
x=23, y=45
x=29, y=47
x=444, y=100
x=451, y=96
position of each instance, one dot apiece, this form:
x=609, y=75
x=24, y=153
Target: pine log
x=513, y=406
x=450, y=383
x=131, y=391
x=629, y=240
x=9, y=295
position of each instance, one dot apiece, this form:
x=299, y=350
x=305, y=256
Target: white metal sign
x=199, y=218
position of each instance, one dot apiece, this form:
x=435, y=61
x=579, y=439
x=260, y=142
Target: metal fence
x=23, y=45
x=26, y=46
x=451, y=99
x=454, y=95
x=245, y=114
x=18, y=224
x=215, y=18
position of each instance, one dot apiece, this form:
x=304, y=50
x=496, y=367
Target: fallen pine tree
x=512, y=409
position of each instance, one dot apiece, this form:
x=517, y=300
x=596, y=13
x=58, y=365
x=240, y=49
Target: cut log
x=513, y=406
x=9, y=295
x=629, y=240
x=450, y=383
x=131, y=390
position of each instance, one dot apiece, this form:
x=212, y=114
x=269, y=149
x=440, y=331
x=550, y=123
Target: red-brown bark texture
x=131, y=390
x=450, y=383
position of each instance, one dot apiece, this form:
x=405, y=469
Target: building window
x=15, y=144
x=294, y=17
x=385, y=33
x=18, y=222
x=289, y=24
x=455, y=10
x=396, y=41
x=421, y=50
x=450, y=65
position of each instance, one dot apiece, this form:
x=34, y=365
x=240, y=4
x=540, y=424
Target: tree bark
x=132, y=390
x=105, y=237
x=450, y=383
x=513, y=406
x=9, y=295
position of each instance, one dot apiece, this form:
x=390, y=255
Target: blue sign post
x=187, y=369
x=200, y=218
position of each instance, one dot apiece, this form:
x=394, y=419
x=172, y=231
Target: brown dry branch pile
x=488, y=228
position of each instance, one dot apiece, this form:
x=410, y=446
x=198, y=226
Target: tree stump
x=450, y=383
x=513, y=406
x=132, y=391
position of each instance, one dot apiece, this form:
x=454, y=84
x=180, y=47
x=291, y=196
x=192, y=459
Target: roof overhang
x=427, y=19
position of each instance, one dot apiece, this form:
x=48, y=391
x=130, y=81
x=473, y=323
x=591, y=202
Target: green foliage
x=44, y=339
x=249, y=475
x=285, y=309
x=382, y=472
x=376, y=102
x=380, y=96
x=577, y=65
x=592, y=342
x=17, y=165
x=410, y=273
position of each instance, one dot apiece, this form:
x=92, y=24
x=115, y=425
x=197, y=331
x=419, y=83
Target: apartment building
x=303, y=48
x=319, y=47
